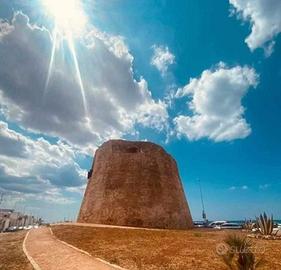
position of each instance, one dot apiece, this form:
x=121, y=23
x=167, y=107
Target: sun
x=69, y=24
x=68, y=15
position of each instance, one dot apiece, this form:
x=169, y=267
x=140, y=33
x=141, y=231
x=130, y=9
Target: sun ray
x=52, y=58
x=77, y=70
x=69, y=23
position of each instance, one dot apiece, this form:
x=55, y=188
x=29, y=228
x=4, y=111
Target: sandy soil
x=11, y=253
x=167, y=250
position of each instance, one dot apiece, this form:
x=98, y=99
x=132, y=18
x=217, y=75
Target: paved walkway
x=48, y=253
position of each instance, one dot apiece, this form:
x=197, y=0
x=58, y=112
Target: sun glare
x=68, y=14
x=69, y=23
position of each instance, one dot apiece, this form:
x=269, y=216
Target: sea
x=278, y=221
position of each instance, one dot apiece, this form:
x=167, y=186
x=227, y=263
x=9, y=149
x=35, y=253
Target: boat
x=229, y=226
x=213, y=224
x=199, y=224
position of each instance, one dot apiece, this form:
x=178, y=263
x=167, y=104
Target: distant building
x=9, y=218
x=4, y=210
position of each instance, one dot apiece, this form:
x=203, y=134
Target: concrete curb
x=110, y=264
x=87, y=253
x=33, y=263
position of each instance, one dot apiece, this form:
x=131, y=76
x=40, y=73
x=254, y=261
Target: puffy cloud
x=162, y=58
x=244, y=187
x=265, y=19
x=20, y=184
x=115, y=100
x=215, y=104
x=264, y=186
x=5, y=28
x=69, y=175
x=37, y=167
x=11, y=143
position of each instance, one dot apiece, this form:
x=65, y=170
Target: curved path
x=46, y=252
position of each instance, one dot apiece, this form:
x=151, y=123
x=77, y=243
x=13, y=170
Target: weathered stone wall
x=135, y=184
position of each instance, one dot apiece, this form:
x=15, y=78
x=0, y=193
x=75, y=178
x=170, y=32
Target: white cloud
x=215, y=104
x=5, y=28
x=38, y=167
x=265, y=19
x=264, y=186
x=116, y=101
x=162, y=58
x=10, y=142
x=244, y=187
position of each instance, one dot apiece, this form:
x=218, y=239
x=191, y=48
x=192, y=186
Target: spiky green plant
x=239, y=255
x=265, y=224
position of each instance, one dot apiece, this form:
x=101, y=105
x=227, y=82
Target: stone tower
x=135, y=184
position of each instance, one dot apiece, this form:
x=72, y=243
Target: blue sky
x=201, y=78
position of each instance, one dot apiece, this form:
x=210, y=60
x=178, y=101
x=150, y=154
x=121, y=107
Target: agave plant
x=265, y=224
x=239, y=255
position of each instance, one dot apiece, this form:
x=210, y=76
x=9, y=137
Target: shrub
x=265, y=224
x=238, y=254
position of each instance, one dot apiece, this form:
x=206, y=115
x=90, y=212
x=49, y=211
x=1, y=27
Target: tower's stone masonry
x=135, y=184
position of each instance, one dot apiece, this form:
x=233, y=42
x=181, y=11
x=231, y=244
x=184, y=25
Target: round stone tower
x=135, y=184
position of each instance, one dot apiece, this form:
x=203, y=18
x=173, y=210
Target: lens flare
x=78, y=73
x=55, y=33
x=70, y=21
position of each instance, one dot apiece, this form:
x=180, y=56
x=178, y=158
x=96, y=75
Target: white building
x=9, y=218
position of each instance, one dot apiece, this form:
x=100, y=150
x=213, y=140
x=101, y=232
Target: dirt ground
x=167, y=250
x=11, y=253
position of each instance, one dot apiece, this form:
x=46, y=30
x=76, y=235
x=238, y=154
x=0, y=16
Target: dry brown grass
x=11, y=253
x=150, y=250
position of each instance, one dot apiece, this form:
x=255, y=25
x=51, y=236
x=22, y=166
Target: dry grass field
x=11, y=253
x=159, y=249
